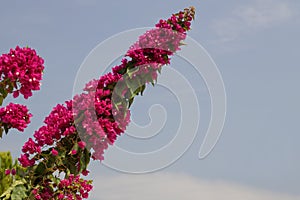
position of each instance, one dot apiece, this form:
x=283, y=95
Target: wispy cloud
x=175, y=187
x=252, y=17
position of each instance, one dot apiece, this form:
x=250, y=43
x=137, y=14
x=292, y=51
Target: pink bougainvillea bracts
x=141, y=63
x=21, y=71
x=101, y=128
x=14, y=116
x=70, y=188
x=58, y=124
x=85, y=126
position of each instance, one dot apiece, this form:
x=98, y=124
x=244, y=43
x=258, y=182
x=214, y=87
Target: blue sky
x=255, y=45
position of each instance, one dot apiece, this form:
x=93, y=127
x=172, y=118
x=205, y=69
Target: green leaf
x=132, y=71
x=131, y=64
x=87, y=156
x=5, y=128
x=19, y=192
x=1, y=88
x=1, y=133
x=1, y=100
x=75, y=147
x=143, y=89
x=132, y=86
x=166, y=57
x=159, y=70
x=10, y=87
x=8, y=193
x=40, y=169
x=182, y=43
x=119, y=89
x=122, y=71
x=50, y=162
x=73, y=169
x=70, y=164
x=84, y=159
x=130, y=102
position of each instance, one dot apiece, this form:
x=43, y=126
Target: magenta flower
x=31, y=147
x=15, y=116
x=22, y=69
x=85, y=172
x=73, y=152
x=81, y=144
x=7, y=172
x=54, y=152
x=13, y=172
x=25, y=161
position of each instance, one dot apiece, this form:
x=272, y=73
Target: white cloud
x=252, y=17
x=176, y=187
x=265, y=13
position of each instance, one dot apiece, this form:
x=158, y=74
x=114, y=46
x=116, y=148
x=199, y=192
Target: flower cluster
x=85, y=126
x=21, y=71
x=180, y=22
x=154, y=48
x=71, y=188
x=102, y=113
x=94, y=118
x=58, y=124
x=68, y=185
x=14, y=116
